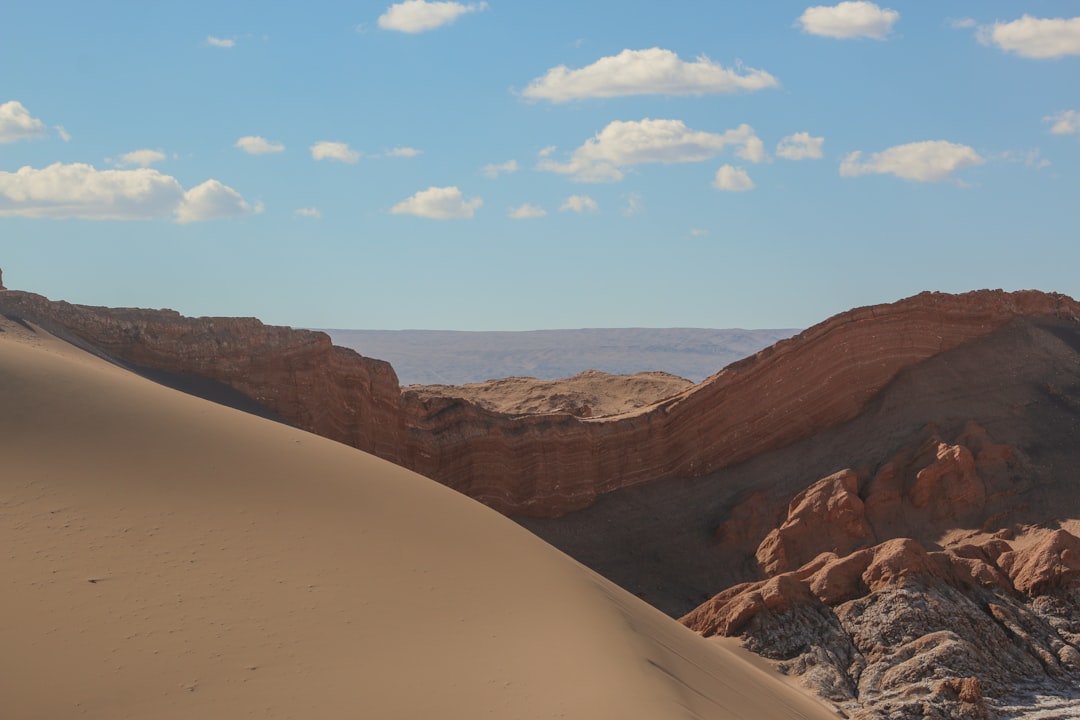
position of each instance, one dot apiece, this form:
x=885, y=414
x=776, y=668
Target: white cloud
x=622, y=144
x=849, y=20
x=634, y=205
x=492, y=170
x=526, y=211
x=212, y=200
x=698, y=232
x=415, y=16
x=752, y=149
x=1034, y=159
x=579, y=204
x=404, y=152
x=800, y=146
x=308, y=212
x=546, y=151
x=64, y=134
x=438, y=203
x=654, y=71
x=324, y=150
x=16, y=123
x=928, y=161
x=220, y=42
x=732, y=179
x=140, y=158
x=1066, y=122
x=963, y=23
x=258, y=145
x=1034, y=37
x=79, y=190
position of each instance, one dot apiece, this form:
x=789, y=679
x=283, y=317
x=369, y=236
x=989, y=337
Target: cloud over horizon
x=653, y=71
x=1031, y=37
x=439, y=203
x=846, y=20
x=927, y=161
x=623, y=144
x=326, y=150
x=416, y=16
x=16, y=123
x=79, y=190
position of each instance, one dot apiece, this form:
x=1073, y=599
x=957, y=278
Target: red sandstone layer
x=552, y=464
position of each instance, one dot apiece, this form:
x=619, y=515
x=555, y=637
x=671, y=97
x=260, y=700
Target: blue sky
x=513, y=166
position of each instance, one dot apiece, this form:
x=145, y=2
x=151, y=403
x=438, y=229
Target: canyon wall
x=546, y=465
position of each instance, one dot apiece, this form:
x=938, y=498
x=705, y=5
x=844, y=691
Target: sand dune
x=164, y=557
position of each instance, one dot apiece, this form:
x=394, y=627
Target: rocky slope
x=588, y=394
x=547, y=465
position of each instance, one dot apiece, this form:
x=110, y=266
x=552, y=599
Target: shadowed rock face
x=547, y=465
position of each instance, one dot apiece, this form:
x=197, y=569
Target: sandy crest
x=164, y=557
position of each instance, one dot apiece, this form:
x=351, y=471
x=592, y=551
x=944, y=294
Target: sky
x=530, y=165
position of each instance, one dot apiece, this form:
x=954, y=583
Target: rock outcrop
x=588, y=394
x=546, y=465
x=885, y=627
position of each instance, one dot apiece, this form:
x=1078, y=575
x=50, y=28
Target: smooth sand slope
x=164, y=557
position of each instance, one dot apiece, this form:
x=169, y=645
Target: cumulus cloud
x=928, y=161
x=404, y=152
x=800, y=146
x=579, y=204
x=849, y=20
x=732, y=179
x=1031, y=37
x=493, y=170
x=438, y=203
x=308, y=212
x=526, y=211
x=139, y=158
x=212, y=200
x=220, y=42
x=622, y=144
x=654, y=71
x=416, y=16
x=79, y=190
x=16, y=123
x=1066, y=122
x=258, y=145
x=324, y=150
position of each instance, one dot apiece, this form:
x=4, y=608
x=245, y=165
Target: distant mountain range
x=448, y=357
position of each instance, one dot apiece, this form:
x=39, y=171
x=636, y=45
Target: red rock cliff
x=552, y=464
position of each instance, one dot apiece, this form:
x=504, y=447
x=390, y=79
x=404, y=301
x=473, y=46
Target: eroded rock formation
x=552, y=464
x=885, y=626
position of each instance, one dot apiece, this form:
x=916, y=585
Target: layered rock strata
x=551, y=464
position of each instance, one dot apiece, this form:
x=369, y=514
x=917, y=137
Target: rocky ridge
x=550, y=464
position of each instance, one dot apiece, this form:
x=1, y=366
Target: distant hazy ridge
x=456, y=357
